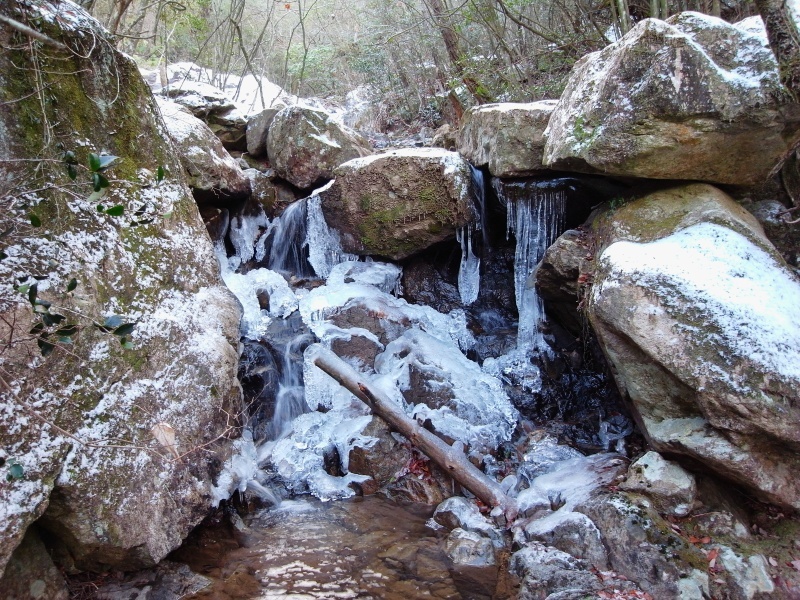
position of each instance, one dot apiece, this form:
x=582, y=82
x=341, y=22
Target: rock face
x=399, y=203
x=681, y=99
x=700, y=318
x=212, y=173
x=213, y=107
x=77, y=417
x=508, y=137
x=305, y=146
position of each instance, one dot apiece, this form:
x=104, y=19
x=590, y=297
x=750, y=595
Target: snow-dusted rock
x=671, y=488
x=700, y=317
x=570, y=532
x=110, y=496
x=213, y=107
x=681, y=99
x=258, y=128
x=508, y=137
x=273, y=196
x=459, y=513
x=467, y=548
x=747, y=577
x=305, y=145
x=545, y=571
x=212, y=173
x=401, y=202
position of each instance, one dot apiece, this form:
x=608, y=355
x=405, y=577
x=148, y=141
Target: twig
x=32, y=33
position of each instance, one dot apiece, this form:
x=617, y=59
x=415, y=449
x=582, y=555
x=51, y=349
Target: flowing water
x=361, y=548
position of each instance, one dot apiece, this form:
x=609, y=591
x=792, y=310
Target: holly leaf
x=116, y=211
x=35, y=220
x=160, y=173
x=73, y=283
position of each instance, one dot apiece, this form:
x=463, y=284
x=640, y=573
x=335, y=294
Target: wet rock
x=681, y=99
x=508, y=137
x=30, y=572
x=273, y=196
x=558, y=277
x=384, y=458
x=258, y=128
x=773, y=218
x=459, y=513
x=671, y=488
x=399, y=203
x=167, y=580
x=642, y=547
x=470, y=549
x=711, y=373
x=212, y=173
x=422, y=284
x=306, y=145
x=161, y=276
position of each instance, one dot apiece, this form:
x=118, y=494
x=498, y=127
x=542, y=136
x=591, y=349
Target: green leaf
x=124, y=329
x=32, y=291
x=126, y=344
x=99, y=182
x=73, y=283
x=70, y=158
x=67, y=330
x=37, y=329
x=160, y=173
x=65, y=340
x=51, y=319
x=3, y=255
x=23, y=289
x=72, y=172
x=106, y=161
x=94, y=162
x=35, y=220
x=113, y=321
x=115, y=211
x=45, y=347
x=15, y=471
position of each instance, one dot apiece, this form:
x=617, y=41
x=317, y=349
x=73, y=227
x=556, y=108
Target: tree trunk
x=450, y=458
x=784, y=39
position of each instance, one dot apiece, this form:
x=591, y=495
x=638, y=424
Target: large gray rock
x=78, y=422
x=399, y=203
x=508, y=137
x=681, y=99
x=700, y=318
x=305, y=145
x=212, y=173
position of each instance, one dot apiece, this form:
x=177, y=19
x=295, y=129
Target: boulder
x=258, y=128
x=700, y=319
x=671, y=489
x=305, y=145
x=31, y=573
x=508, y=137
x=79, y=403
x=273, y=196
x=212, y=173
x=212, y=106
x=399, y=203
x=681, y=99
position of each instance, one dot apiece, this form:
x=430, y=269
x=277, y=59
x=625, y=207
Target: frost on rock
x=324, y=245
x=748, y=303
x=461, y=402
x=244, y=231
x=384, y=276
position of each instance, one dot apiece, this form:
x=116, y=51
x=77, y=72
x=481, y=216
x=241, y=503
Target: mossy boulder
x=678, y=99
x=700, y=318
x=78, y=405
x=399, y=203
x=507, y=137
x=305, y=145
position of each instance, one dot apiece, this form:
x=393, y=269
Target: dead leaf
x=712, y=557
x=165, y=435
x=773, y=562
x=795, y=564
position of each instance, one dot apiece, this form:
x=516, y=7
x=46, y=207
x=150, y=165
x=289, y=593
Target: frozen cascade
x=243, y=232
x=290, y=401
x=536, y=221
x=479, y=191
x=469, y=272
x=324, y=245
x=288, y=249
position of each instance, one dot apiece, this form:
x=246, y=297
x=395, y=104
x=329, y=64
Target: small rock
x=671, y=488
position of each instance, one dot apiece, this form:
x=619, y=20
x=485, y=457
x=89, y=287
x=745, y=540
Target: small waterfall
x=479, y=191
x=288, y=251
x=324, y=245
x=290, y=401
x=535, y=215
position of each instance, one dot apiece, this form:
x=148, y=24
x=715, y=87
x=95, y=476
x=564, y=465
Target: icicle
x=469, y=271
x=479, y=190
x=243, y=232
x=324, y=245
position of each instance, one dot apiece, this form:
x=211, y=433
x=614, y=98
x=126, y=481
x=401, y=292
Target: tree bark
x=784, y=39
x=450, y=458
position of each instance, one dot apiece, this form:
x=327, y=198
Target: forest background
x=424, y=61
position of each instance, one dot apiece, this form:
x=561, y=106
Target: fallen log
x=450, y=458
